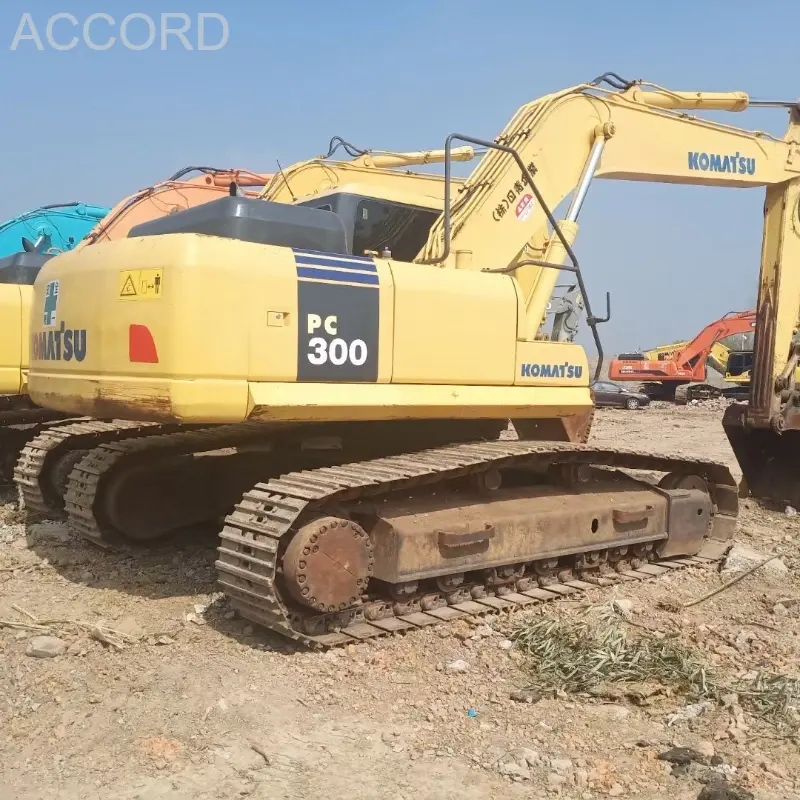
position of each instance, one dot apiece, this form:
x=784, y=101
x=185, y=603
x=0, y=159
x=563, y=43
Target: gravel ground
x=183, y=700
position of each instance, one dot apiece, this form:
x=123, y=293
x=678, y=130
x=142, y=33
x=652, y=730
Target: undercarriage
x=681, y=393
x=20, y=421
x=334, y=533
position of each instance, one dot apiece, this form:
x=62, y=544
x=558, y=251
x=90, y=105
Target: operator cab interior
x=373, y=225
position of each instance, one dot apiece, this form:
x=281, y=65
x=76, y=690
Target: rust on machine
x=433, y=565
x=328, y=563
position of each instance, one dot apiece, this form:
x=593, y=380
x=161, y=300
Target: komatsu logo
x=565, y=370
x=734, y=164
x=50, y=303
x=59, y=344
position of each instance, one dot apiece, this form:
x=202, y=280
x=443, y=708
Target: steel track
x=248, y=565
x=14, y=436
x=256, y=531
x=31, y=473
x=84, y=484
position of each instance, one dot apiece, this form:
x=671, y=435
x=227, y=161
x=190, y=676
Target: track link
x=32, y=473
x=256, y=533
x=14, y=438
x=696, y=391
x=84, y=483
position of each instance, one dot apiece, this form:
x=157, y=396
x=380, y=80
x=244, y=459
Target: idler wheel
x=328, y=563
x=676, y=480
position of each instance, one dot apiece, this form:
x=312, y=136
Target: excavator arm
x=566, y=139
x=718, y=356
x=633, y=132
x=322, y=176
x=50, y=229
x=700, y=348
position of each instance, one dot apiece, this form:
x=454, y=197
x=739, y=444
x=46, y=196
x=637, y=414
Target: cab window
x=400, y=228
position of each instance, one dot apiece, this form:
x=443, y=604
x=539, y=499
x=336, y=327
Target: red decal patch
x=141, y=345
x=524, y=207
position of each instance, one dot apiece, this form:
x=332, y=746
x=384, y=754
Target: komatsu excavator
x=41, y=235
x=48, y=452
x=355, y=360
x=681, y=377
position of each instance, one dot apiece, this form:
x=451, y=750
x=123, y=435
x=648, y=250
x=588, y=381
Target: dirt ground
x=197, y=705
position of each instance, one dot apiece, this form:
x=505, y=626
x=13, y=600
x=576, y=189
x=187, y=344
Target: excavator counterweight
x=40, y=456
x=39, y=236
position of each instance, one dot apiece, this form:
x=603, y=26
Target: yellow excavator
x=353, y=361
x=20, y=419
x=41, y=456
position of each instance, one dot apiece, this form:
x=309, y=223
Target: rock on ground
x=46, y=647
x=741, y=557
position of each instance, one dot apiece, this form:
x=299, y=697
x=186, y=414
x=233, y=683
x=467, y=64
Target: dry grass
x=600, y=650
x=577, y=656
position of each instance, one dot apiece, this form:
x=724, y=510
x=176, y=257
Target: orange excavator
x=176, y=193
x=682, y=376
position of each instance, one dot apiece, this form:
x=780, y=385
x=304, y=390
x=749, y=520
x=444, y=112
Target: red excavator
x=682, y=376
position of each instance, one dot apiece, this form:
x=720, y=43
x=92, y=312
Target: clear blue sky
x=94, y=126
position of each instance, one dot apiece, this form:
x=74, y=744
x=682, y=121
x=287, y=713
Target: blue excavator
x=30, y=239
x=50, y=229
x=26, y=243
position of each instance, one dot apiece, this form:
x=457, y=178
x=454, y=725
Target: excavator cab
x=380, y=226
x=739, y=364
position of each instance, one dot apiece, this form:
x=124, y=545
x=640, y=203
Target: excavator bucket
x=770, y=461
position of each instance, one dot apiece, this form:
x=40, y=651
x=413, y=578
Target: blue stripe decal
x=334, y=260
x=339, y=277
x=323, y=254
x=324, y=261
